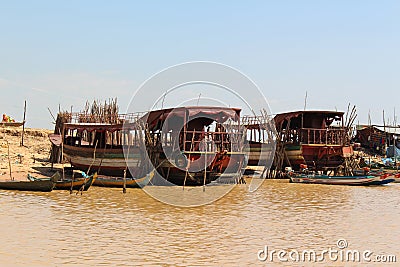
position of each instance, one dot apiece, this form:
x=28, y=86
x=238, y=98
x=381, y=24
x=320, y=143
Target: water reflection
x=105, y=227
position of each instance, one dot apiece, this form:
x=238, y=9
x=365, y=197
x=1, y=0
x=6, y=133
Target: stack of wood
x=98, y=112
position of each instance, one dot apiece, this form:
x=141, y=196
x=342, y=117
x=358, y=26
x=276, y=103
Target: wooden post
x=124, y=186
x=126, y=168
x=9, y=161
x=72, y=182
x=23, y=125
x=188, y=165
x=62, y=152
x=205, y=167
x=384, y=129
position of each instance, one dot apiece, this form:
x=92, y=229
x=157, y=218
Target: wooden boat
x=29, y=185
x=118, y=182
x=340, y=180
x=105, y=148
x=11, y=124
x=77, y=184
x=260, y=140
x=383, y=174
x=318, y=139
x=81, y=183
x=195, y=145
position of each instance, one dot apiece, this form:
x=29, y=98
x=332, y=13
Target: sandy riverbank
x=31, y=158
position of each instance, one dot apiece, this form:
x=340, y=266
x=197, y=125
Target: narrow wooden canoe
x=77, y=184
x=30, y=185
x=118, y=182
x=340, y=180
x=65, y=184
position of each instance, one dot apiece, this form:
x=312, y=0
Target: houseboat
x=317, y=139
x=196, y=145
x=108, y=148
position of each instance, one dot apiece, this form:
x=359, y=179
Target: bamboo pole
x=384, y=130
x=205, y=167
x=9, y=161
x=72, y=182
x=94, y=158
x=62, y=153
x=125, y=171
x=23, y=125
x=187, y=167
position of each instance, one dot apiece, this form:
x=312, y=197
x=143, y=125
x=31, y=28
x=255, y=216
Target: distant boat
x=118, y=182
x=29, y=185
x=11, y=124
x=340, y=180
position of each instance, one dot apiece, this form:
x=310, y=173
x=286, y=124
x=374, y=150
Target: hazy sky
x=67, y=52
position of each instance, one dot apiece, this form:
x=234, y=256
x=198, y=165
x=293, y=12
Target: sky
x=62, y=53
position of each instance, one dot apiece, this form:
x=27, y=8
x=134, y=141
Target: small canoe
x=118, y=182
x=340, y=180
x=396, y=177
x=65, y=184
x=37, y=185
x=77, y=184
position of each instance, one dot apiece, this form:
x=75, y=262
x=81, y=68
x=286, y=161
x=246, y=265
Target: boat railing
x=327, y=136
x=82, y=117
x=213, y=141
x=197, y=141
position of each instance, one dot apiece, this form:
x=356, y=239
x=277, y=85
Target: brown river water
x=104, y=227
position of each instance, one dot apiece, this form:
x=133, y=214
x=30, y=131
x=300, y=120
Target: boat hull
x=110, y=161
x=318, y=156
x=228, y=165
x=118, y=182
x=341, y=180
x=77, y=184
x=41, y=186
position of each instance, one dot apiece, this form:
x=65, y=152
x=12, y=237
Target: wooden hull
x=318, y=156
x=229, y=166
x=11, y=124
x=110, y=162
x=118, y=182
x=77, y=184
x=40, y=185
x=259, y=154
x=341, y=180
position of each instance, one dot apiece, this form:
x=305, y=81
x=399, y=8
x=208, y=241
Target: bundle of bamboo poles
x=99, y=112
x=348, y=123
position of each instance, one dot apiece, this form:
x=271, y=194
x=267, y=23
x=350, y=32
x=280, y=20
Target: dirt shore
x=32, y=157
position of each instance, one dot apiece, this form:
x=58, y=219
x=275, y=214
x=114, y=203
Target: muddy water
x=106, y=227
